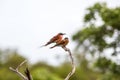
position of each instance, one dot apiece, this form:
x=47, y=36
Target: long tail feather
x=52, y=46
x=45, y=44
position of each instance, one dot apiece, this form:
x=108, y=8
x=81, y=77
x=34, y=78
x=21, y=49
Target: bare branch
x=27, y=72
x=19, y=73
x=72, y=63
x=21, y=64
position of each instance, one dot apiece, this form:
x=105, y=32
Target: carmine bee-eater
x=62, y=43
x=55, y=39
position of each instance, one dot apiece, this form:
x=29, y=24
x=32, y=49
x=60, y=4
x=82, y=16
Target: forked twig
x=16, y=70
x=72, y=63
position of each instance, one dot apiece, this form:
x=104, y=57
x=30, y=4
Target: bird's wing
x=54, y=38
x=66, y=42
x=60, y=43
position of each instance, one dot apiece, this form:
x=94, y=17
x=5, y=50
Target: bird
x=62, y=43
x=55, y=39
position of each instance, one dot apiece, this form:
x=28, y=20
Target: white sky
x=27, y=24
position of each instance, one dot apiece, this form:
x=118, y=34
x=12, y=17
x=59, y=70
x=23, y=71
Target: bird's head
x=61, y=33
x=66, y=38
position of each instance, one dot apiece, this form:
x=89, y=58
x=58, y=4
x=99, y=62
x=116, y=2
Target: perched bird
x=55, y=39
x=62, y=43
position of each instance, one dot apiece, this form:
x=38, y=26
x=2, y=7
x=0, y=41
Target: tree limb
x=27, y=72
x=72, y=63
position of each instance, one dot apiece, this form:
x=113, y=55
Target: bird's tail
x=44, y=45
x=52, y=46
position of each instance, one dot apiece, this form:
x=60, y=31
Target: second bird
x=62, y=43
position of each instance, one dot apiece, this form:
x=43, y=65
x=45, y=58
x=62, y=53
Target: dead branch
x=27, y=72
x=72, y=63
x=19, y=73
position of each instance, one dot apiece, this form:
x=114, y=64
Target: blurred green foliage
x=101, y=24
x=43, y=71
x=101, y=32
